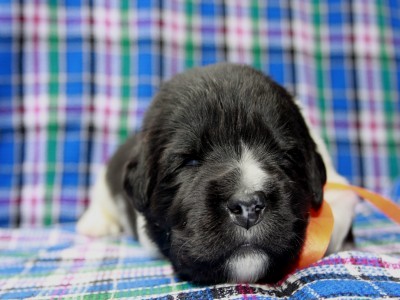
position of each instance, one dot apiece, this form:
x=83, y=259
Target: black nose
x=246, y=210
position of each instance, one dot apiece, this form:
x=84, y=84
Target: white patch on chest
x=247, y=268
x=253, y=176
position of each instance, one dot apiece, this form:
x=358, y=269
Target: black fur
x=176, y=170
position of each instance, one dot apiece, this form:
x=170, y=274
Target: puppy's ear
x=318, y=179
x=135, y=180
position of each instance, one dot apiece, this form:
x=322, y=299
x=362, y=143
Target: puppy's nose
x=246, y=210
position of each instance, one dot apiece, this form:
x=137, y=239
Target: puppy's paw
x=102, y=216
x=95, y=223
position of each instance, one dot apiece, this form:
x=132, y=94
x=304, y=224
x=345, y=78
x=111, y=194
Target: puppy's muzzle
x=246, y=210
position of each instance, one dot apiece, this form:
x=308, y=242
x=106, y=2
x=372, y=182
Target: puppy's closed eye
x=191, y=162
x=182, y=161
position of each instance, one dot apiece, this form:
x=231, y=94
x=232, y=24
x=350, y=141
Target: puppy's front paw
x=102, y=216
x=94, y=223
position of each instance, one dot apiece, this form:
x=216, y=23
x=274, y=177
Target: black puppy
x=220, y=180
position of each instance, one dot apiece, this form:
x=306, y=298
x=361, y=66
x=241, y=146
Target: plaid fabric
x=77, y=77
x=57, y=263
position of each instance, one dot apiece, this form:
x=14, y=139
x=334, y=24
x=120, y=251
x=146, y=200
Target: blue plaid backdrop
x=77, y=76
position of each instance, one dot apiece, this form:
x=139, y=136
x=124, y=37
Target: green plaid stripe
x=190, y=58
x=320, y=69
x=126, y=72
x=387, y=86
x=53, y=127
x=256, y=47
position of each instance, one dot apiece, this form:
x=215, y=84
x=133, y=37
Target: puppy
x=220, y=180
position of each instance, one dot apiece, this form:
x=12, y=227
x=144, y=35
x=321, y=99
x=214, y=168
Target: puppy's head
x=226, y=174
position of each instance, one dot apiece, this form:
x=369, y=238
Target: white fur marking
x=143, y=238
x=247, y=268
x=101, y=218
x=253, y=176
x=343, y=209
x=107, y=215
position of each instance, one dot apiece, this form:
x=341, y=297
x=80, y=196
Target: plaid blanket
x=77, y=76
x=57, y=263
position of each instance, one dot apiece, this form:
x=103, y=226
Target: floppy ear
x=318, y=179
x=135, y=180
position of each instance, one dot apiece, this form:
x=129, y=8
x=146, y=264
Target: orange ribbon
x=318, y=235
x=388, y=207
x=321, y=222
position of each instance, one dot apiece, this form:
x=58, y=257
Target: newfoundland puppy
x=220, y=180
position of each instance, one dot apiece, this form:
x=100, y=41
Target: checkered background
x=76, y=77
